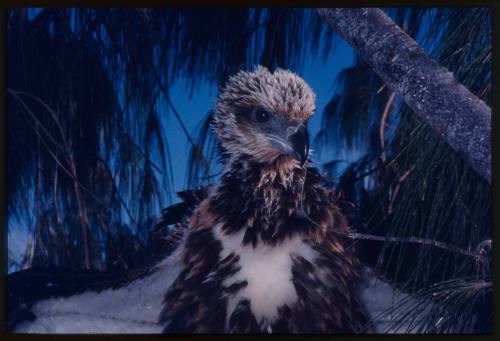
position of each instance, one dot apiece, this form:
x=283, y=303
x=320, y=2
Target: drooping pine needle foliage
x=411, y=184
x=73, y=142
x=88, y=90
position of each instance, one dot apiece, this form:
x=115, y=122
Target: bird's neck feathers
x=263, y=181
x=282, y=170
x=265, y=199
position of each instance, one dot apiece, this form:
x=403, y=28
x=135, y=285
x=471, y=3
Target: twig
x=115, y=188
x=419, y=240
x=35, y=119
x=381, y=88
x=398, y=185
x=480, y=285
x=132, y=142
x=56, y=205
x=39, y=244
x=58, y=123
x=382, y=125
x=373, y=170
x=167, y=97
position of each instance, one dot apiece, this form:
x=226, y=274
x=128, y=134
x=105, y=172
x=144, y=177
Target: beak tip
x=300, y=143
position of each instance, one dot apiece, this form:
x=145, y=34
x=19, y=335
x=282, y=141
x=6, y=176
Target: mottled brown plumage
x=262, y=251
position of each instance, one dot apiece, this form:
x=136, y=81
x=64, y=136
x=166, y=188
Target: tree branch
x=430, y=90
x=418, y=240
x=354, y=235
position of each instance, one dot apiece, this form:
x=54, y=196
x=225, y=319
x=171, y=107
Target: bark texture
x=430, y=90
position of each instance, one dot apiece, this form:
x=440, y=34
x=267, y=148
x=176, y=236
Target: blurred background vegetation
x=89, y=167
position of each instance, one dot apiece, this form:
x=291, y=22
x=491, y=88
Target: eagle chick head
x=264, y=115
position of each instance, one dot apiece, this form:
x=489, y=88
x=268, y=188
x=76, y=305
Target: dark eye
x=261, y=115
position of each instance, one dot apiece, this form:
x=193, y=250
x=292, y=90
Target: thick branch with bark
x=429, y=89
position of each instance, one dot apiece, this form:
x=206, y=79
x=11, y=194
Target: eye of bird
x=261, y=115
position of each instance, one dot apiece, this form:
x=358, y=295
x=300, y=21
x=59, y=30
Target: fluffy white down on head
x=282, y=92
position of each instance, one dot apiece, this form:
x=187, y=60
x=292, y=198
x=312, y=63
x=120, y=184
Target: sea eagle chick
x=263, y=252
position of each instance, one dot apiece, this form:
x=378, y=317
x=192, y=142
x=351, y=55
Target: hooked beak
x=298, y=139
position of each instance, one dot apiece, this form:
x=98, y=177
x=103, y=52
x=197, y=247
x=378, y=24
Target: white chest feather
x=268, y=271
